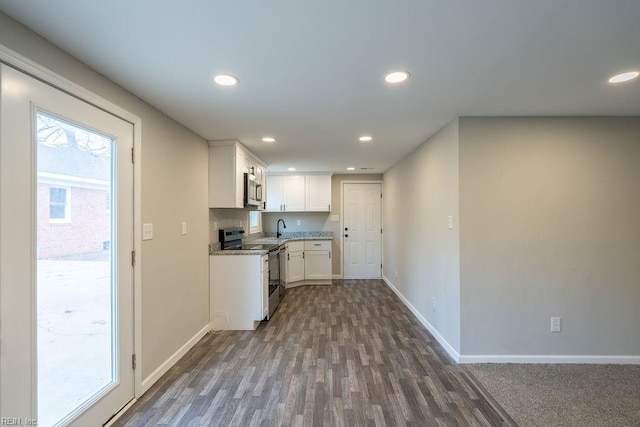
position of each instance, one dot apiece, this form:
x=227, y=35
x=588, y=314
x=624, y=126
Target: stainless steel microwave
x=253, y=197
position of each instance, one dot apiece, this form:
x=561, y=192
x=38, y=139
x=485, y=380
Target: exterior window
x=255, y=222
x=59, y=204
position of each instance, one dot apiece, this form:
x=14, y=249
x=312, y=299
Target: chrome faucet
x=278, y=233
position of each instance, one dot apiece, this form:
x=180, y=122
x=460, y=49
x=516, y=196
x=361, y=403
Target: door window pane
x=75, y=283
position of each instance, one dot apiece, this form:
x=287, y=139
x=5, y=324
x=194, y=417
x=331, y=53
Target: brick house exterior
x=73, y=211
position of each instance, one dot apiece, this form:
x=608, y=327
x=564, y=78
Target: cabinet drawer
x=317, y=245
x=295, y=246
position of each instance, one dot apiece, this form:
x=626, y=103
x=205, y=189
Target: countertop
x=267, y=240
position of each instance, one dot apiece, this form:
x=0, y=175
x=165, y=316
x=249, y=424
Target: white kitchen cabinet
x=286, y=193
x=295, y=266
x=294, y=262
x=264, y=286
x=299, y=193
x=239, y=293
x=275, y=193
x=308, y=263
x=228, y=161
x=294, y=193
x=317, y=262
x=318, y=193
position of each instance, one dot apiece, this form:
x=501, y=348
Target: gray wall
x=420, y=192
x=550, y=226
x=174, y=189
x=320, y=221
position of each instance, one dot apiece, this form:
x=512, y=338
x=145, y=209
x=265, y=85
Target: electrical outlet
x=299, y=222
x=147, y=231
x=556, y=324
x=433, y=303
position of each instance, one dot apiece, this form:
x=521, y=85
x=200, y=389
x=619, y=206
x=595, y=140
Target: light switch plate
x=450, y=222
x=184, y=228
x=147, y=231
x=335, y=218
x=299, y=222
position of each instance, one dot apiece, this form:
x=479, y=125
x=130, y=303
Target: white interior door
x=362, y=234
x=66, y=238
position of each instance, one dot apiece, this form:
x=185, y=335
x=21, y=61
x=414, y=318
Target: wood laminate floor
x=341, y=355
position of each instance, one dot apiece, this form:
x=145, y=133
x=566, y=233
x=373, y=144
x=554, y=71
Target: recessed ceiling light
x=291, y=169
x=365, y=138
x=624, y=77
x=351, y=169
x=396, y=77
x=226, y=80
x=268, y=139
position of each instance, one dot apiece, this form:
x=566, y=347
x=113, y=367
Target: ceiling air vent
x=366, y=169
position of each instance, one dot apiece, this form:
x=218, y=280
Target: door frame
x=341, y=240
x=37, y=71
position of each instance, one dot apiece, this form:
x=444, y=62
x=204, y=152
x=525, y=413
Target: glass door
x=66, y=304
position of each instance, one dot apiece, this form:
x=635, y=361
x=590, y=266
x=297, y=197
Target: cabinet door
x=275, y=193
x=265, y=293
x=317, y=265
x=318, y=194
x=241, y=168
x=294, y=193
x=223, y=174
x=295, y=267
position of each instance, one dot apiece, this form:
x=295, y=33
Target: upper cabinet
x=299, y=193
x=228, y=162
x=318, y=193
x=286, y=193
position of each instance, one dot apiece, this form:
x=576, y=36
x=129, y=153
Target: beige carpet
x=564, y=395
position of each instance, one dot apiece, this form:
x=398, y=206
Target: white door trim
x=45, y=75
x=341, y=240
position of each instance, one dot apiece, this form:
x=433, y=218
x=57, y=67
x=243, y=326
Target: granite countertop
x=239, y=252
x=287, y=237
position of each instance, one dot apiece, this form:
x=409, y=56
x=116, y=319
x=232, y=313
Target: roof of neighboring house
x=71, y=161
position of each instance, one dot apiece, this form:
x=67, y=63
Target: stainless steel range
x=231, y=239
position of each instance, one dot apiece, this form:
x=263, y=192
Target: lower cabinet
x=308, y=262
x=317, y=265
x=238, y=290
x=294, y=262
x=295, y=269
x=317, y=261
x=264, y=286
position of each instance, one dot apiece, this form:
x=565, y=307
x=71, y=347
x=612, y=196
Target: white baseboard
x=337, y=276
x=443, y=342
x=517, y=358
x=511, y=358
x=162, y=369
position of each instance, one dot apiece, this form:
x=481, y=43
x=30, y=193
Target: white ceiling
x=311, y=72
